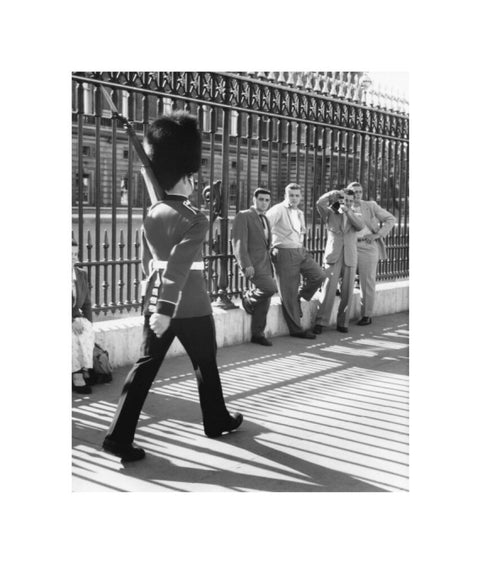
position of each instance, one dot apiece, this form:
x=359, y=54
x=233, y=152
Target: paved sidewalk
x=323, y=415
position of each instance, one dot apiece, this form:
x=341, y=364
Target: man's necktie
x=264, y=224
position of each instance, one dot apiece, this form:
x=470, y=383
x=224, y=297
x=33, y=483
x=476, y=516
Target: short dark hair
x=348, y=191
x=174, y=145
x=292, y=186
x=259, y=191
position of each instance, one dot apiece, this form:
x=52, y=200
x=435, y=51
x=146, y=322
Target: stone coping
x=122, y=337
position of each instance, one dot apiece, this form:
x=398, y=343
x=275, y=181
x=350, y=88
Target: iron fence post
x=285, y=111
x=224, y=301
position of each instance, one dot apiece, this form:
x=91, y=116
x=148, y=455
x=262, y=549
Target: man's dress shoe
x=128, y=452
x=247, y=305
x=261, y=340
x=304, y=334
x=365, y=321
x=342, y=329
x=235, y=420
x=317, y=329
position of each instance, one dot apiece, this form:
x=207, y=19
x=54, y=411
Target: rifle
x=154, y=190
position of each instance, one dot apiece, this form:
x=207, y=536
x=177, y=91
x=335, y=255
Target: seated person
x=83, y=339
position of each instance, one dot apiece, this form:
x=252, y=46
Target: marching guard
x=176, y=302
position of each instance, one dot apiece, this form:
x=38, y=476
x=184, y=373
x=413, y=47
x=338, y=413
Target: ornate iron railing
x=256, y=132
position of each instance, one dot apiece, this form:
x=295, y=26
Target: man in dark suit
x=251, y=238
x=176, y=301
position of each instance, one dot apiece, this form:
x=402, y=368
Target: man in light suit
x=251, y=238
x=335, y=208
x=371, y=247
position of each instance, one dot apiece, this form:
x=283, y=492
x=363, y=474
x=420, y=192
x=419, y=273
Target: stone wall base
x=122, y=338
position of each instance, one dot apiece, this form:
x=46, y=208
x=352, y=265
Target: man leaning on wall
x=251, y=238
x=291, y=259
x=370, y=247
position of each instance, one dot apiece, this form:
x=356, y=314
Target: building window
x=124, y=104
x=86, y=150
x=85, y=190
x=207, y=122
x=88, y=101
x=167, y=105
x=124, y=191
x=264, y=168
x=234, y=123
x=234, y=164
x=125, y=154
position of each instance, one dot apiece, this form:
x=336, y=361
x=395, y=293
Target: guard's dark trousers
x=197, y=335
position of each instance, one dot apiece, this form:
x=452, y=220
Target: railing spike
x=333, y=88
x=326, y=86
x=349, y=91
x=308, y=84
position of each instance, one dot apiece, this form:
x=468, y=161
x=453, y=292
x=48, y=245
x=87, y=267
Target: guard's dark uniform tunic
x=173, y=233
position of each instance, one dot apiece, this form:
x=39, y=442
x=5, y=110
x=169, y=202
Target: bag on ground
x=101, y=365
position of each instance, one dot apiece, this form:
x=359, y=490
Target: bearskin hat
x=174, y=145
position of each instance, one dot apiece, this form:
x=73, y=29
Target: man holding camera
x=340, y=258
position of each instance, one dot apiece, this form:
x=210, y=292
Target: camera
x=337, y=201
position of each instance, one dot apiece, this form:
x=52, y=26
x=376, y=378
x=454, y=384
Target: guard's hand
x=370, y=238
x=77, y=326
x=159, y=323
x=249, y=272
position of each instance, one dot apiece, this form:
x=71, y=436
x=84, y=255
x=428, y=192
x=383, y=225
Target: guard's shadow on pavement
x=181, y=458
x=290, y=473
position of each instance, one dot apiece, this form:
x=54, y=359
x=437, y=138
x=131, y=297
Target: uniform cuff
x=166, y=308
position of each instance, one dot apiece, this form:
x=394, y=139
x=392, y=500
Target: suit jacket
x=339, y=236
x=250, y=246
x=174, y=231
x=82, y=304
x=379, y=221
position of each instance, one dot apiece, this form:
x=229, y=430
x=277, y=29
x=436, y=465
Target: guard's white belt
x=162, y=264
